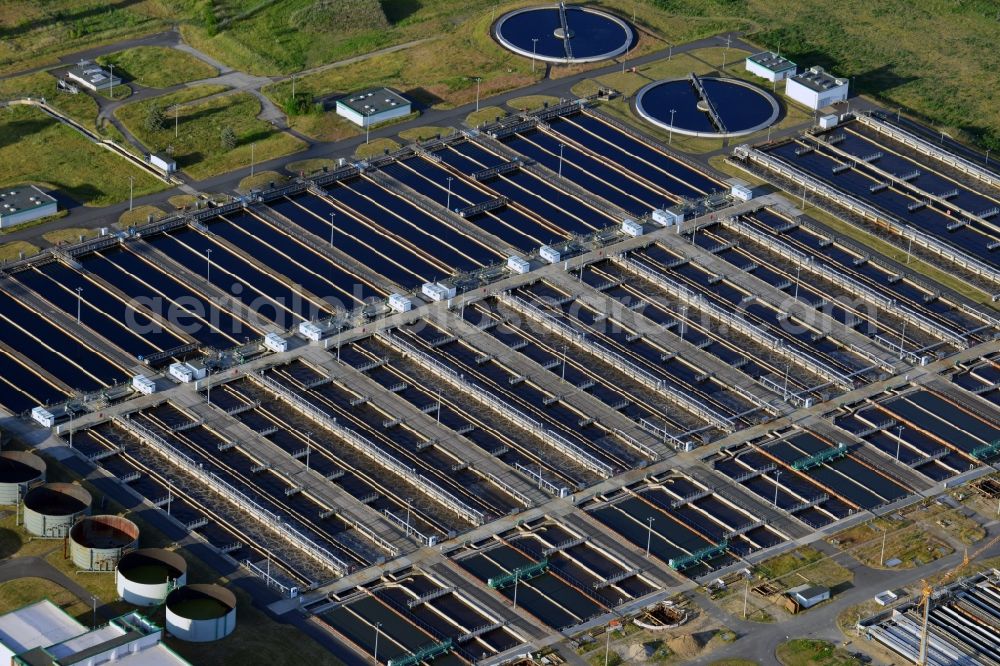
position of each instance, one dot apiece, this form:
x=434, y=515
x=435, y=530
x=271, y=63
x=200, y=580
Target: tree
x=208, y=19
x=155, y=120
x=228, y=138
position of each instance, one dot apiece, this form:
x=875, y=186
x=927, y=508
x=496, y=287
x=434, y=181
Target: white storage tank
x=310, y=331
x=43, y=416
x=143, y=384
x=146, y=576
x=549, y=254
x=400, y=303
x=97, y=543
x=275, y=343
x=631, y=228
x=51, y=509
x=20, y=471
x=201, y=613
x=518, y=265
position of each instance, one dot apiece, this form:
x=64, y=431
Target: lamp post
x=534, y=44
x=448, y=205
x=112, y=68
x=208, y=265
x=899, y=440
x=131, y=185
x=252, y=160
x=670, y=139
x=479, y=80
x=79, y=303
x=649, y=535
x=332, y=227
x=777, y=475
x=378, y=625
x=561, y=146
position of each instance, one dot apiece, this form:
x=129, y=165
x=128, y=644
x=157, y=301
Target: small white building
x=668, y=217
x=144, y=384
x=400, y=303
x=771, y=66
x=550, y=254
x=43, y=416
x=24, y=203
x=632, y=228
x=372, y=107
x=164, y=163
x=187, y=372
x=816, y=88
x=310, y=331
x=275, y=343
x=808, y=596
x=437, y=291
x=92, y=76
x=518, y=265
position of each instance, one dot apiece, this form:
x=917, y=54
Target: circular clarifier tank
x=707, y=106
x=19, y=471
x=201, y=613
x=563, y=34
x=97, y=543
x=51, y=509
x=145, y=576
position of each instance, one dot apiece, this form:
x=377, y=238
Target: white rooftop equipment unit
x=518, y=265
x=632, y=228
x=275, y=343
x=827, y=122
x=667, y=218
x=549, y=254
x=310, y=331
x=182, y=372
x=400, y=303
x=144, y=384
x=437, y=291
x=741, y=191
x=43, y=416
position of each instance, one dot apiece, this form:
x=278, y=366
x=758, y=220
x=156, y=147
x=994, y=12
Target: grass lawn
x=198, y=147
x=13, y=250
x=81, y=107
x=375, y=148
x=424, y=133
x=734, y=662
x=440, y=73
x=311, y=166
x=69, y=235
x=157, y=66
x=21, y=592
x=531, y=102
x=260, y=180
x=139, y=216
x=34, y=33
x=324, y=126
x=484, y=115
x=36, y=148
x=804, y=565
x=905, y=540
x=808, y=652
